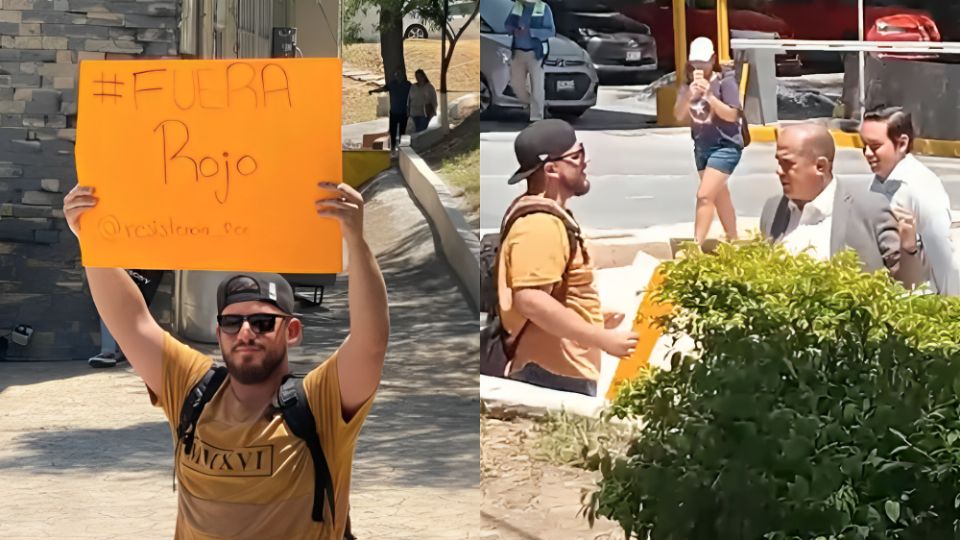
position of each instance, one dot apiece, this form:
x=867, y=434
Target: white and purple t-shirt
x=707, y=129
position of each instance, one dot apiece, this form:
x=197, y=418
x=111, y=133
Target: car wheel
x=415, y=31
x=486, y=98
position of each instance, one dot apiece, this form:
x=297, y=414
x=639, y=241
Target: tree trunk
x=391, y=38
x=445, y=63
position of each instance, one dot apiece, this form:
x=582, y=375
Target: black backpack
x=497, y=346
x=292, y=403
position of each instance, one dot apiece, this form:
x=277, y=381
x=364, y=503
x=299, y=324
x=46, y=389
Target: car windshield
x=463, y=9
x=610, y=22
x=494, y=13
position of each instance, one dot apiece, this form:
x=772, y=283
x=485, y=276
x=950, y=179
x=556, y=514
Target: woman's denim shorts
x=722, y=157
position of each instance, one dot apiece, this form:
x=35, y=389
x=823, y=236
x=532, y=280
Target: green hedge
x=820, y=403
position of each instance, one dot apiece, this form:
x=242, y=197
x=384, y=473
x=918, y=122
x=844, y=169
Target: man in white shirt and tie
x=820, y=214
x=916, y=195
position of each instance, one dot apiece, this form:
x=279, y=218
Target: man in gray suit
x=823, y=215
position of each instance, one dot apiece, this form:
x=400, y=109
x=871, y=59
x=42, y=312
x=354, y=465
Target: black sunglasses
x=577, y=155
x=260, y=323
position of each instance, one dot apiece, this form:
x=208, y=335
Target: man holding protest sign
x=242, y=473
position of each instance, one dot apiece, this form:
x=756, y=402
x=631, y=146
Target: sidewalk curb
x=458, y=241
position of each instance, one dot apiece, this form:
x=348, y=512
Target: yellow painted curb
x=359, y=166
x=763, y=133
x=934, y=147
x=843, y=139
x=648, y=334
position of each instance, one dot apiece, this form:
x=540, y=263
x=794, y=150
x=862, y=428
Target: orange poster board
x=210, y=164
x=648, y=332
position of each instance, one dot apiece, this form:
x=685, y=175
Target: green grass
x=566, y=439
x=463, y=171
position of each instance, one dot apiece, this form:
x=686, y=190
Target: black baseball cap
x=540, y=142
x=255, y=287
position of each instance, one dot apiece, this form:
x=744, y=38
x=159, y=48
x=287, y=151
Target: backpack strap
x=196, y=400
x=522, y=207
x=292, y=401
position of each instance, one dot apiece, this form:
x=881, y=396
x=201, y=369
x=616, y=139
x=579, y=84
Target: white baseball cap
x=701, y=50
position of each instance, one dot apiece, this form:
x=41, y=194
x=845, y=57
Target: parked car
x=367, y=19
x=658, y=15
x=830, y=19
x=570, y=79
x=904, y=27
x=616, y=43
x=808, y=19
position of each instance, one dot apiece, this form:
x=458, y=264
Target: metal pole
x=723, y=32
x=862, y=84
x=680, y=39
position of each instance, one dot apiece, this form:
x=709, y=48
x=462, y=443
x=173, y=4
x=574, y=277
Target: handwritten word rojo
x=175, y=136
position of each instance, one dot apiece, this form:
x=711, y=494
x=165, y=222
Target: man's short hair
x=817, y=141
x=899, y=122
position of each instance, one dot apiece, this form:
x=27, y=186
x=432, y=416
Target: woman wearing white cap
x=710, y=102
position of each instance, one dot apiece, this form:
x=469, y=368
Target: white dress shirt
x=810, y=228
x=914, y=187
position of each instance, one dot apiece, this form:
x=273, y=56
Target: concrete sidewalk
x=84, y=455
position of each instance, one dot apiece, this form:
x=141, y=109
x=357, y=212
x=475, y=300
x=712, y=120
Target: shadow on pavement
x=141, y=447
x=592, y=120
x=27, y=373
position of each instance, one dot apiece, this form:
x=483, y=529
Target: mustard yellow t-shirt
x=247, y=477
x=535, y=254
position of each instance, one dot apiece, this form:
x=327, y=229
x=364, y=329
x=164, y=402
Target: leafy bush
x=821, y=403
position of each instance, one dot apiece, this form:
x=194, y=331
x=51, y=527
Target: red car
x=700, y=22
x=829, y=19
x=904, y=27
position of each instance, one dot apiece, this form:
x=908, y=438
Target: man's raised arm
x=119, y=302
x=360, y=361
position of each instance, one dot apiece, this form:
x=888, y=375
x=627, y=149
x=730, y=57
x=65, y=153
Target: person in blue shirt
x=531, y=23
x=399, y=89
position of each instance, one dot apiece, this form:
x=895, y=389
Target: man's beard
x=579, y=187
x=254, y=373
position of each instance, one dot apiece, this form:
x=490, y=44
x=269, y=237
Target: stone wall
x=41, y=44
x=928, y=90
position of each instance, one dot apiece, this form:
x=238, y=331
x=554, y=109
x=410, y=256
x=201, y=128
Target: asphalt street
x=643, y=176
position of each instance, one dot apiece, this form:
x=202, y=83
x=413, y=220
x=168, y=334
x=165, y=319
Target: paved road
x=84, y=455
x=643, y=177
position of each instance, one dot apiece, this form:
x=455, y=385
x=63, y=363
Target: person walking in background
x=916, y=195
x=398, y=87
x=422, y=103
x=710, y=103
x=531, y=24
